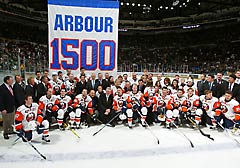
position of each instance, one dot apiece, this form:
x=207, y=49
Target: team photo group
x=69, y=102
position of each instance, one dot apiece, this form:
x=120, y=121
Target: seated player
x=46, y=105
x=30, y=118
x=62, y=106
x=227, y=113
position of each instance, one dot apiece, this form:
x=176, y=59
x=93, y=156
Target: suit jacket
x=7, y=101
x=104, y=83
x=201, y=87
x=206, y=86
x=31, y=90
x=19, y=94
x=141, y=89
x=90, y=87
x=235, y=90
x=41, y=90
x=220, y=88
x=103, y=104
x=79, y=87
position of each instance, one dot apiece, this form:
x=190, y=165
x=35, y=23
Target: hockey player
x=136, y=107
x=174, y=108
x=70, y=85
x=229, y=107
x=46, y=105
x=192, y=103
x=29, y=118
x=209, y=105
x=55, y=84
x=62, y=104
x=119, y=103
x=80, y=105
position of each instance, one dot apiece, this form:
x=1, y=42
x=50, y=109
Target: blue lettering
x=108, y=24
x=58, y=22
x=98, y=23
x=68, y=22
x=89, y=24
x=78, y=23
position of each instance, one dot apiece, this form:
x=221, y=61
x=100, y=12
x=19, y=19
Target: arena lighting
x=127, y=4
x=144, y=5
x=130, y=13
x=191, y=26
x=199, y=3
x=122, y=3
x=175, y=3
x=133, y=4
x=184, y=3
x=171, y=8
x=139, y=4
x=166, y=7
x=180, y=6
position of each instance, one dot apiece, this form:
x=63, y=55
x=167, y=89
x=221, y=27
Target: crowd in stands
x=206, y=51
x=34, y=55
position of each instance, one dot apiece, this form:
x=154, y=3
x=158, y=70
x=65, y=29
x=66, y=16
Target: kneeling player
x=29, y=118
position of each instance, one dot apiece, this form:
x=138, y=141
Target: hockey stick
x=204, y=134
x=149, y=128
x=183, y=134
x=225, y=130
x=106, y=124
x=73, y=131
x=25, y=139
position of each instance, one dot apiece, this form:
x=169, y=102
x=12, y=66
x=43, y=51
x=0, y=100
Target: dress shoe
x=6, y=136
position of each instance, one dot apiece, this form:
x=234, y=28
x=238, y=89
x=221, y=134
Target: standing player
x=29, y=118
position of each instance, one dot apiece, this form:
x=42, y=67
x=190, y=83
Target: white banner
x=83, y=33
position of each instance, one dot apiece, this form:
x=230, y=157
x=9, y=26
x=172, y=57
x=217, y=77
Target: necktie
x=93, y=83
x=210, y=86
x=10, y=89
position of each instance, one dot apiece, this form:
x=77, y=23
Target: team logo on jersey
x=224, y=108
x=30, y=116
x=205, y=106
x=63, y=105
x=49, y=106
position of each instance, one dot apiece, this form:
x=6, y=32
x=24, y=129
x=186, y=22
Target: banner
x=83, y=33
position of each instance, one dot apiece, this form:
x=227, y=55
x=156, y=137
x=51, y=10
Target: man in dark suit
x=80, y=85
x=141, y=86
x=105, y=103
x=209, y=84
x=18, y=91
x=233, y=87
x=42, y=87
x=92, y=83
x=7, y=106
x=31, y=88
x=200, y=85
x=220, y=86
x=102, y=82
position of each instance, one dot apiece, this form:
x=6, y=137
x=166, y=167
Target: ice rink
x=121, y=147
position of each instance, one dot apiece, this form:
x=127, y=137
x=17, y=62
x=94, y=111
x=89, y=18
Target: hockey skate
x=45, y=138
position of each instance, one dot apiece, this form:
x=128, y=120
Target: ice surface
x=122, y=147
